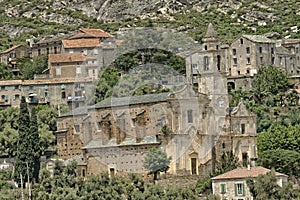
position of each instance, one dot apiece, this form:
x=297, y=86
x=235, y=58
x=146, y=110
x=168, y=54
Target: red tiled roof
x=244, y=172
x=11, y=48
x=81, y=43
x=66, y=57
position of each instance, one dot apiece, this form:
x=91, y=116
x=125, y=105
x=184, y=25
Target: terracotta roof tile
x=244, y=172
x=11, y=48
x=66, y=57
x=80, y=43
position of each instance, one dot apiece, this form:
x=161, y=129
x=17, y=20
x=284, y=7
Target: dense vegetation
x=265, y=187
x=66, y=185
x=9, y=126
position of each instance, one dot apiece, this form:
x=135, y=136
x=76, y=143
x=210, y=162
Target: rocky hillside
x=22, y=19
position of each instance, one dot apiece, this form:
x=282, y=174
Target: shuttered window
x=239, y=189
x=223, y=188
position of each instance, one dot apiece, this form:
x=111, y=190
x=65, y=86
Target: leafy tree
x=46, y=121
x=265, y=187
x=29, y=67
x=156, y=161
x=279, y=137
x=269, y=80
x=204, y=186
x=5, y=73
x=106, y=82
x=284, y=161
x=8, y=141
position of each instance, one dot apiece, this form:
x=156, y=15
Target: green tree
x=5, y=73
x=156, y=161
x=34, y=144
x=269, y=80
x=279, y=137
x=24, y=150
x=228, y=161
x=266, y=187
x=284, y=161
x=46, y=121
x=107, y=80
x=29, y=67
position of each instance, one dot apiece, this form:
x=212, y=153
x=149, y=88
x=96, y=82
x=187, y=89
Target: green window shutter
x=243, y=188
x=223, y=188
x=6, y=88
x=235, y=189
x=14, y=97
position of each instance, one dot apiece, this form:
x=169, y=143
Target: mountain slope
x=20, y=19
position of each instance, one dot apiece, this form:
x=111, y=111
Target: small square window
x=194, y=66
x=77, y=128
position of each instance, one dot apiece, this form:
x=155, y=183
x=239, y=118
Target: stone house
x=54, y=45
x=66, y=65
x=232, y=184
x=242, y=58
x=68, y=92
x=9, y=56
x=47, y=46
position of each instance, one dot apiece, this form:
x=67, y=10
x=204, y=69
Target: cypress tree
x=23, y=149
x=34, y=142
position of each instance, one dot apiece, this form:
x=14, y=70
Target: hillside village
x=115, y=134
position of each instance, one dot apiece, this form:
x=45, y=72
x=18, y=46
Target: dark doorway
x=194, y=165
x=112, y=171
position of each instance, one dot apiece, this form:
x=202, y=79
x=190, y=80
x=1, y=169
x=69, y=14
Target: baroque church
x=115, y=134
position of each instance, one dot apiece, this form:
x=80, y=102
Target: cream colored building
x=232, y=184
